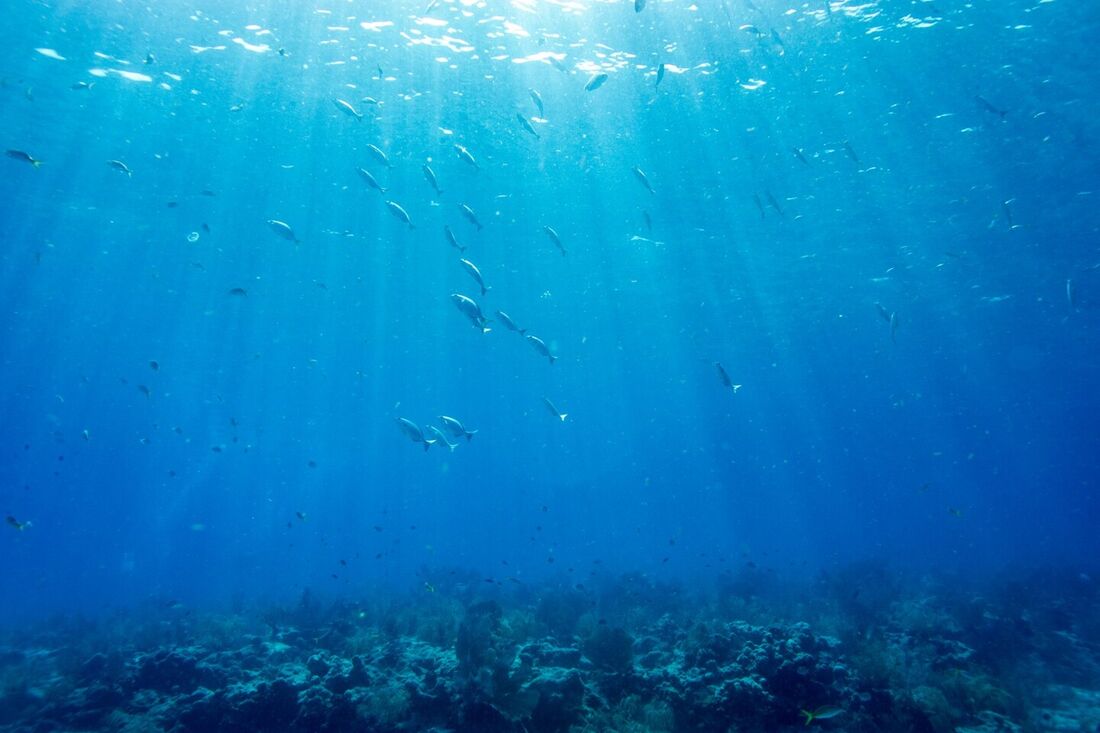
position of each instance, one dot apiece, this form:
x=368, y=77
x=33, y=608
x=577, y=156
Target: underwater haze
x=532, y=365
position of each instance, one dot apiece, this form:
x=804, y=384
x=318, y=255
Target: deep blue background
x=841, y=446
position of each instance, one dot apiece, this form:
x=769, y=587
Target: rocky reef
x=623, y=654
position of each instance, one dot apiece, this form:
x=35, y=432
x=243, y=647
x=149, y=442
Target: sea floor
x=861, y=650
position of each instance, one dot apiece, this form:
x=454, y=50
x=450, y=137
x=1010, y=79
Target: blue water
x=967, y=443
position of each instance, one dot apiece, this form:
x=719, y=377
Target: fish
x=1071, y=294
x=509, y=323
x=885, y=314
x=452, y=239
x=595, y=82
x=725, y=377
x=465, y=155
x=640, y=175
x=648, y=220
x=81, y=85
x=366, y=176
x=1007, y=212
x=527, y=125
x=431, y=6
x=380, y=154
x=154, y=365
x=398, y=211
x=25, y=157
x=550, y=232
x=955, y=512
x=371, y=100
x=800, y=155
x=442, y=438
x=541, y=347
x=822, y=713
x=639, y=5
x=301, y=516
x=470, y=216
x=553, y=410
x=283, y=230
x=537, y=99
x=150, y=58
x=894, y=327
x=239, y=292
x=121, y=167
x=430, y=175
x=469, y=308
x=660, y=75
x=16, y=524
x=988, y=106
x=475, y=274
x=775, y=204
x=851, y=153
x=345, y=107
x=413, y=433
x=759, y=206
x=457, y=428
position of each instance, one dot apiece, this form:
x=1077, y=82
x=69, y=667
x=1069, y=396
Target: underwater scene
x=536, y=366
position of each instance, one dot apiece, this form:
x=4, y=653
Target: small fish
x=759, y=205
x=430, y=175
x=1007, y=212
x=725, y=377
x=452, y=239
x=379, y=68
x=469, y=308
x=82, y=85
x=955, y=512
x=16, y=524
x=541, y=347
x=648, y=220
x=86, y=434
x=399, y=212
x=442, y=438
x=553, y=410
x=822, y=713
x=775, y=204
x=475, y=273
x=121, y=167
x=800, y=155
x=639, y=5
x=595, y=82
x=145, y=391
x=154, y=365
x=883, y=313
x=25, y=157
x=851, y=153
x=465, y=155
x=550, y=232
x=283, y=230
x=239, y=292
x=1071, y=294
x=301, y=516
x=640, y=175
x=150, y=59
x=894, y=327
x=660, y=75
x=431, y=6
x=371, y=100
x=412, y=432
x=537, y=98
x=429, y=587
x=380, y=154
x=345, y=107
x=988, y=106
x=457, y=428
x=470, y=216
x=510, y=324
x=366, y=176
x=527, y=125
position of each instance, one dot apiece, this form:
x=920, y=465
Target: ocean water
x=879, y=219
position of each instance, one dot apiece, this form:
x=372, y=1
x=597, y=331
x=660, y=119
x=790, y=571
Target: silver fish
x=660, y=75
x=25, y=157
x=640, y=175
x=1071, y=294
x=471, y=310
x=412, y=432
x=725, y=377
x=80, y=85
x=553, y=410
x=465, y=155
x=541, y=347
x=527, y=125
x=775, y=204
x=595, y=82
x=366, y=176
x=442, y=438
x=470, y=216
x=430, y=175
x=452, y=239
x=121, y=167
x=538, y=101
x=457, y=429
x=554, y=238
x=510, y=324
x=378, y=153
x=346, y=108
x=475, y=274
x=398, y=211
x=283, y=230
